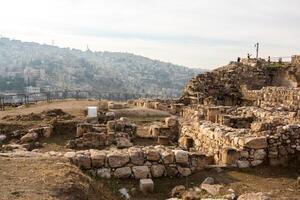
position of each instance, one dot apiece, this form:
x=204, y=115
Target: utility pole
x=257, y=49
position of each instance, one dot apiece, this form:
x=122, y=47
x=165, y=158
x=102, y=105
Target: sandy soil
x=37, y=178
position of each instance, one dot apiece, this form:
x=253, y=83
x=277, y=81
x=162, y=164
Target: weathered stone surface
x=181, y=157
x=136, y=156
x=157, y=170
x=184, y=171
x=208, y=180
x=167, y=157
x=171, y=121
x=146, y=185
x=243, y=163
x=123, y=142
x=177, y=190
x=260, y=154
x=124, y=172
x=104, y=173
x=141, y=172
x=98, y=158
x=117, y=159
x=256, y=142
x=29, y=137
x=172, y=171
x=211, y=189
x=2, y=138
x=83, y=161
x=153, y=155
x=254, y=196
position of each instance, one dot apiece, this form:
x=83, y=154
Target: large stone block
x=167, y=157
x=153, y=155
x=124, y=172
x=104, y=173
x=136, y=156
x=117, y=159
x=256, y=142
x=181, y=157
x=157, y=170
x=141, y=172
x=98, y=158
x=83, y=161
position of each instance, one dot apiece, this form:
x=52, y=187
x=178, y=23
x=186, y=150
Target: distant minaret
x=87, y=47
x=52, y=42
x=257, y=49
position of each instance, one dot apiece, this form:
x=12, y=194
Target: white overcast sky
x=194, y=33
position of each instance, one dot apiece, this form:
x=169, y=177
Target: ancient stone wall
x=296, y=60
x=139, y=162
x=288, y=98
x=229, y=146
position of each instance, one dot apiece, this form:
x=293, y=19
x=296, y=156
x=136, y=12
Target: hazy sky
x=195, y=33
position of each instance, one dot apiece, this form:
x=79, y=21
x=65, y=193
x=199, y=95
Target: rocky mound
x=223, y=86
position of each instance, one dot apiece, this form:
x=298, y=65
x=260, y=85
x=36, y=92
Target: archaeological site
x=233, y=134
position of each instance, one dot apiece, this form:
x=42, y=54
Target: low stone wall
x=118, y=132
x=139, y=162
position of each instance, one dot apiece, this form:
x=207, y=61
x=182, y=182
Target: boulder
x=141, y=172
x=136, y=156
x=124, y=172
x=117, y=159
x=211, y=189
x=157, y=170
x=208, y=180
x=181, y=157
x=172, y=171
x=256, y=142
x=254, y=196
x=98, y=158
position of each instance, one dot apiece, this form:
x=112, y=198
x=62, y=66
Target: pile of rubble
x=119, y=132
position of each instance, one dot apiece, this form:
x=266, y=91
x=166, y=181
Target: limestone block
x=29, y=137
x=146, y=185
x=83, y=161
x=136, y=156
x=256, y=142
x=98, y=158
x=252, y=196
x=141, y=172
x=117, y=159
x=153, y=155
x=157, y=170
x=184, y=171
x=181, y=157
x=124, y=172
x=243, y=163
x=167, y=157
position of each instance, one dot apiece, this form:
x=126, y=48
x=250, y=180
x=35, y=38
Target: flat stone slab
x=146, y=185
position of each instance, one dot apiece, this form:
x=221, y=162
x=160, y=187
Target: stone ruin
x=244, y=114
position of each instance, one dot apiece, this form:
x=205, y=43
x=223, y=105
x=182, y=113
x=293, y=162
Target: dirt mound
x=45, y=115
x=54, y=113
x=29, y=117
x=46, y=178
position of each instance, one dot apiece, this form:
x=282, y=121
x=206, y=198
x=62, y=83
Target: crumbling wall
x=288, y=98
x=139, y=162
x=228, y=146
